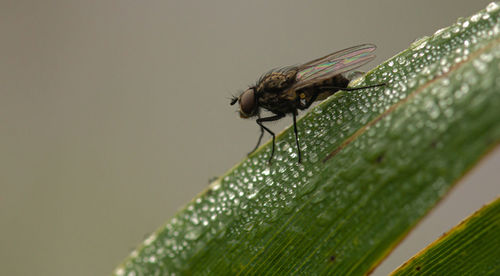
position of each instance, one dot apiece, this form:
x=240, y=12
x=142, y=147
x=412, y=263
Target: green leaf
x=374, y=163
x=471, y=248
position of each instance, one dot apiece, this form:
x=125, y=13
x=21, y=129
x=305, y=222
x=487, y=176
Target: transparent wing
x=333, y=64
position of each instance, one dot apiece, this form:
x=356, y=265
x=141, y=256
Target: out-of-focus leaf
x=471, y=248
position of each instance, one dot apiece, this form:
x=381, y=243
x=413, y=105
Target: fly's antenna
x=234, y=100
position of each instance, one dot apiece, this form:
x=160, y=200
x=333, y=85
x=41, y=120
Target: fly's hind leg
x=351, y=88
x=296, y=134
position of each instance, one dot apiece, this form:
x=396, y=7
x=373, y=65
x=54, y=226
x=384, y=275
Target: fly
x=294, y=88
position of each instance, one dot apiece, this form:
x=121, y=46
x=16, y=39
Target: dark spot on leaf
x=434, y=144
x=417, y=268
x=332, y=154
x=209, y=191
x=332, y=258
x=212, y=179
x=380, y=158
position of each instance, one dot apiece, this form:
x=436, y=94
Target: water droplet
x=324, y=218
x=266, y=171
x=308, y=188
x=476, y=17
x=119, y=271
x=432, y=109
x=152, y=259
x=318, y=196
x=455, y=29
x=493, y=6
x=419, y=43
x=194, y=220
x=496, y=29
x=480, y=66
x=313, y=157
x=446, y=35
x=150, y=239
x=486, y=57
x=252, y=193
x=440, y=31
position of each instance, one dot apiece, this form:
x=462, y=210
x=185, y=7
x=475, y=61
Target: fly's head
x=248, y=103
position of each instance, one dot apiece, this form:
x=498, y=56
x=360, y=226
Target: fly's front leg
x=258, y=141
x=269, y=119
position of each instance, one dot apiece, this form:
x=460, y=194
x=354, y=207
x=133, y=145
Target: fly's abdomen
x=335, y=81
x=323, y=89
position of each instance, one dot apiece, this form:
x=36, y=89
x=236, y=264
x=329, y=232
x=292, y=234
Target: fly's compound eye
x=247, y=103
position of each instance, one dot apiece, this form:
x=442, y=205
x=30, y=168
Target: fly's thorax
x=277, y=81
x=283, y=101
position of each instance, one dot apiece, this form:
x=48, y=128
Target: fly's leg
x=320, y=89
x=350, y=88
x=258, y=141
x=296, y=134
x=314, y=96
x=269, y=119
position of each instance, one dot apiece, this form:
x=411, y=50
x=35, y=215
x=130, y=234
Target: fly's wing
x=333, y=64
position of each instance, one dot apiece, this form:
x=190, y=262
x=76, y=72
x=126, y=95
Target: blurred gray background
x=114, y=114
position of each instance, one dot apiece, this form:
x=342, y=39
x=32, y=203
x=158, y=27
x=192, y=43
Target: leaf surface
x=375, y=162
